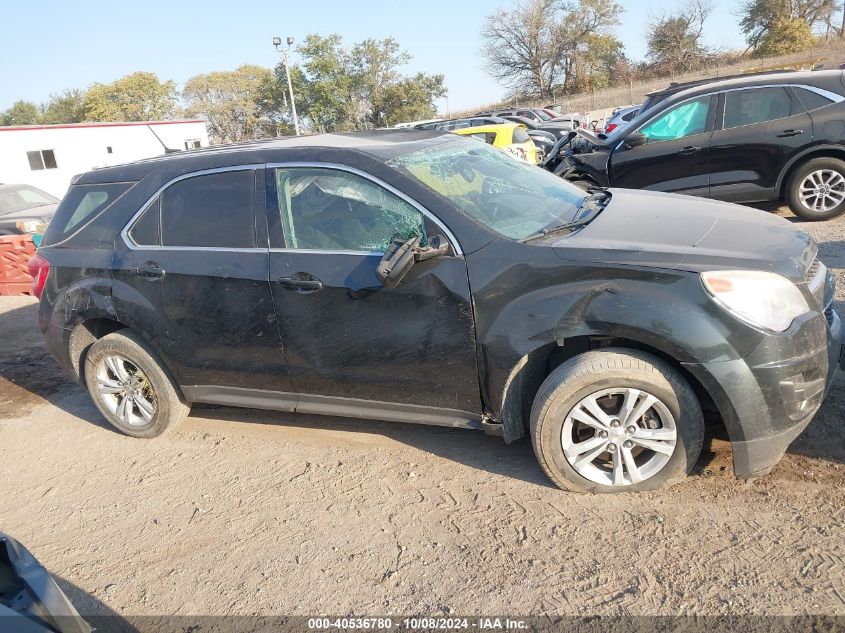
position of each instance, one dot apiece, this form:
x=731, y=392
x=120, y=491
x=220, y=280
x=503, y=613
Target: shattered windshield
x=513, y=198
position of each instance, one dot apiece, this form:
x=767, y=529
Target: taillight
x=39, y=268
x=610, y=127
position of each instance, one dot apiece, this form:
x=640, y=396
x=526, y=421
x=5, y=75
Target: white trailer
x=48, y=156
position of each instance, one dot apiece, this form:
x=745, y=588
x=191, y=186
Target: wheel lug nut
x=603, y=434
x=628, y=444
x=615, y=423
x=631, y=429
x=611, y=447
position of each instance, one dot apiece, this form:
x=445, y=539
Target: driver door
x=675, y=155
x=356, y=347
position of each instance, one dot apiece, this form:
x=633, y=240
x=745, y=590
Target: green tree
x=338, y=89
x=675, y=40
x=764, y=22
x=136, y=97
x=230, y=102
x=786, y=35
x=535, y=47
x=327, y=97
x=21, y=113
x=67, y=107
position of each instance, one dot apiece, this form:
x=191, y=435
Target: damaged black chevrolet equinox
x=416, y=276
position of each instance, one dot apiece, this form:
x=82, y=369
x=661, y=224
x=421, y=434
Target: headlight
x=27, y=226
x=762, y=299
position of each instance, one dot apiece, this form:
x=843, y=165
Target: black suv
x=422, y=277
x=747, y=139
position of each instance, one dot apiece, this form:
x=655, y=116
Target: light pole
x=277, y=42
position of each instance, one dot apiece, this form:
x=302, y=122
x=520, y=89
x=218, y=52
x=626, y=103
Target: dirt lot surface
x=243, y=512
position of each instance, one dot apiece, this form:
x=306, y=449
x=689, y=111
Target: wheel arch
x=533, y=368
x=819, y=151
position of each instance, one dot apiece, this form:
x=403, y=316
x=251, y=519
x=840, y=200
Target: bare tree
x=533, y=48
x=675, y=39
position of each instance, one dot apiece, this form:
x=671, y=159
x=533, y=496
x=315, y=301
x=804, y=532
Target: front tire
x=816, y=190
x=130, y=386
x=616, y=420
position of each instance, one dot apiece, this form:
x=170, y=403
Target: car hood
x=44, y=212
x=686, y=233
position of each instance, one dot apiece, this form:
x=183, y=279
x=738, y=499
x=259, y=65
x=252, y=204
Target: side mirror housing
x=635, y=140
x=401, y=255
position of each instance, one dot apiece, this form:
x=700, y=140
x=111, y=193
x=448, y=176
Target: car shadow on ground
x=29, y=376
x=102, y=618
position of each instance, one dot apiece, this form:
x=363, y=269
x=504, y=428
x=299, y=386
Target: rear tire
x=816, y=190
x=616, y=420
x=131, y=387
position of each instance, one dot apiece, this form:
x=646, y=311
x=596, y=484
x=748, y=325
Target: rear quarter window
x=81, y=204
x=811, y=100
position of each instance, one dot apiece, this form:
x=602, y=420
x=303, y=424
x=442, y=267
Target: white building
x=48, y=156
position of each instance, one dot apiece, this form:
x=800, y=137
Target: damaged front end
x=30, y=600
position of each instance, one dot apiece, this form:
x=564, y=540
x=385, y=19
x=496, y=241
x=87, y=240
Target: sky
x=78, y=43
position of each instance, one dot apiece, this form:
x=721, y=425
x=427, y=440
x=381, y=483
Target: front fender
x=531, y=306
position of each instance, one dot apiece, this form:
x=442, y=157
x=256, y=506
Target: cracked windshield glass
x=511, y=197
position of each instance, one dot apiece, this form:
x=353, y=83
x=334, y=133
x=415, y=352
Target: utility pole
x=277, y=42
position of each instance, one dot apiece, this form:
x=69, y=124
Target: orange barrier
x=15, y=253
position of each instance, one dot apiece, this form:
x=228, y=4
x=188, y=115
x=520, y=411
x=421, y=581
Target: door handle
x=689, y=149
x=786, y=133
x=303, y=283
x=149, y=270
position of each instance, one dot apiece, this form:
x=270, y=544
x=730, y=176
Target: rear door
x=759, y=130
x=674, y=157
x=192, y=276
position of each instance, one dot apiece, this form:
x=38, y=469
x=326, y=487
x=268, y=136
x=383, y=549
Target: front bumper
x=768, y=399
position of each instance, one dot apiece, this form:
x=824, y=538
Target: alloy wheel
x=619, y=437
x=125, y=390
x=822, y=190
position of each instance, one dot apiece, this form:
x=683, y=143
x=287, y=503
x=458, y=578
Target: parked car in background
x=512, y=138
x=558, y=127
x=543, y=141
x=748, y=139
x=421, y=277
x=24, y=209
x=621, y=118
x=408, y=124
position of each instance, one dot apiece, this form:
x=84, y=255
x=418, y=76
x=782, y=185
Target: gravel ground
x=246, y=512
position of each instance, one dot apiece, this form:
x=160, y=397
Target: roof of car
x=777, y=76
x=382, y=144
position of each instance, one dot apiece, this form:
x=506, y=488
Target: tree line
x=549, y=48
x=336, y=89
x=536, y=48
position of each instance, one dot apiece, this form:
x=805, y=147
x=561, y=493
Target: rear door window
x=210, y=211
x=758, y=105
x=81, y=204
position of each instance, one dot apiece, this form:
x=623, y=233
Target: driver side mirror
x=635, y=140
x=401, y=255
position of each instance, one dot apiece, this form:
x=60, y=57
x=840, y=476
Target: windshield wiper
x=589, y=208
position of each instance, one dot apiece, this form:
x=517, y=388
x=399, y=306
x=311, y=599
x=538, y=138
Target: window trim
x=130, y=243
x=456, y=246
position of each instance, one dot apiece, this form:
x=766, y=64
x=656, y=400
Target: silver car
x=621, y=118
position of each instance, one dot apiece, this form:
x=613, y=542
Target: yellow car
x=512, y=138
